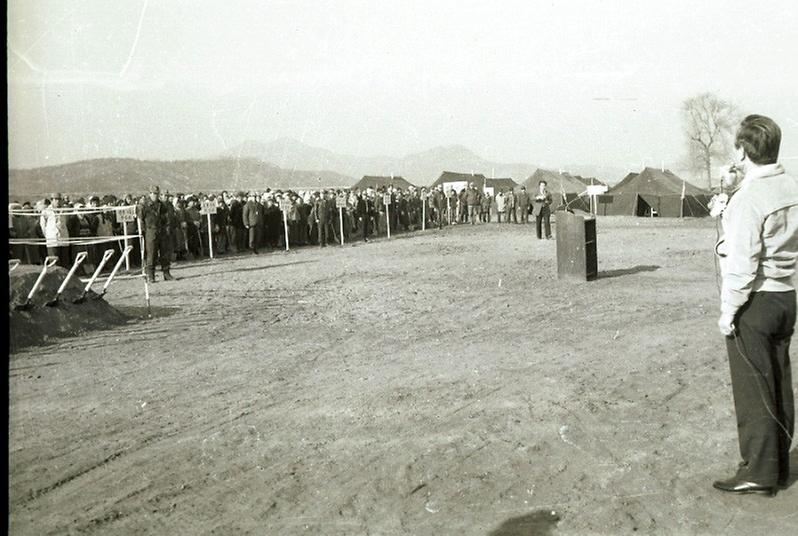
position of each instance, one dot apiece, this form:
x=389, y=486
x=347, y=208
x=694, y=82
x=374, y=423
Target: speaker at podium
x=576, y=245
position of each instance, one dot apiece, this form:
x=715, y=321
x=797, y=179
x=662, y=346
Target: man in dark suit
x=252, y=216
x=543, y=204
x=321, y=216
x=364, y=211
x=522, y=203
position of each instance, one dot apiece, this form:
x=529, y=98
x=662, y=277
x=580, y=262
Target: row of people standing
x=175, y=226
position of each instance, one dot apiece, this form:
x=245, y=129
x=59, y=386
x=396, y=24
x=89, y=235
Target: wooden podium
x=576, y=246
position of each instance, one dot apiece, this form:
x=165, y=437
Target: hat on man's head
x=55, y=196
x=154, y=189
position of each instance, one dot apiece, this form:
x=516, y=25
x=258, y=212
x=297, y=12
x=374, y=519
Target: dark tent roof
x=588, y=181
x=655, y=182
x=374, y=181
x=499, y=184
x=565, y=189
x=452, y=176
x=557, y=182
x=639, y=194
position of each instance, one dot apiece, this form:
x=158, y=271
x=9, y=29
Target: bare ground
x=439, y=383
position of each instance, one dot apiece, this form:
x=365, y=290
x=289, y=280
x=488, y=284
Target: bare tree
x=709, y=123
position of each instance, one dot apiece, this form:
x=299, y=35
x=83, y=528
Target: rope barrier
x=70, y=241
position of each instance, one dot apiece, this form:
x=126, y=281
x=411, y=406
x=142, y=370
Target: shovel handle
x=107, y=255
x=79, y=258
x=48, y=262
x=124, y=256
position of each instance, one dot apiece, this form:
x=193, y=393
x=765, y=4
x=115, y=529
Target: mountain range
x=280, y=164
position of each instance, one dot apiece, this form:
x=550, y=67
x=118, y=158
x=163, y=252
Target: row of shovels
x=49, y=262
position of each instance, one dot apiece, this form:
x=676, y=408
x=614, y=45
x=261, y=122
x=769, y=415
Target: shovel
x=107, y=255
x=12, y=264
x=78, y=259
x=48, y=262
x=125, y=253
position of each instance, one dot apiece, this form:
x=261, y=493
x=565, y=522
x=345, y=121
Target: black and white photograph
x=351, y=267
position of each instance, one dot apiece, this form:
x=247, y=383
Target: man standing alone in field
x=543, y=201
x=758, y=255
x=155, y=223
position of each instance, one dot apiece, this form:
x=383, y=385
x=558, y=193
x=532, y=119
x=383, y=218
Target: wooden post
x=144, y=269
x=341, y=221
x=285, y=225
x=210, y=236
x=127, y=258
x=423, y=214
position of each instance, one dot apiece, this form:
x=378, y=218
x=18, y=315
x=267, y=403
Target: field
x=431, y=384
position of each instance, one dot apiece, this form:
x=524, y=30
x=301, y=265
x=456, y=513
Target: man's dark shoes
x=740, y=486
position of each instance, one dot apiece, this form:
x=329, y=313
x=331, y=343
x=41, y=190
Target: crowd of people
x=176, y=227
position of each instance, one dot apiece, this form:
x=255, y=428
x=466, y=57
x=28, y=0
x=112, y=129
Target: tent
x=565, y=189
x=458, y=181
x=654, y=192
x=373, y=181
x=493, y=186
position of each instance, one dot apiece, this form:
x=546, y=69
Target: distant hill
x=123, y=175
x=419, y=168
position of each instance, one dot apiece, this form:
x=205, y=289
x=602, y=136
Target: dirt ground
x=436, y=383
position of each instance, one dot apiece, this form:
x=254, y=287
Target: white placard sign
x=208, y=207
x=126, y=214
x=597, y=189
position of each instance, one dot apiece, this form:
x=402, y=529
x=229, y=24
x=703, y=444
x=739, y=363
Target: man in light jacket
x=54, y=227
x=757, y=303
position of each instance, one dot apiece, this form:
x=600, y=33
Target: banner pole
x=341, y=221
x=285, y=226
x=144, y=270
x=210, y=236
x=127, y=259
x=423, y=214
x=388, y=219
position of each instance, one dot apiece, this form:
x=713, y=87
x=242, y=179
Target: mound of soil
x=40, y=323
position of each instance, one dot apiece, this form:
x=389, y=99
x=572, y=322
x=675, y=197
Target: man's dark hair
x=543, y=182
x=760, y=138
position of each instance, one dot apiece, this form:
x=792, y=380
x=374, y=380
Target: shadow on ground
x=606, y=274
x=250, y=269
x=139, y=312
x=539, y=523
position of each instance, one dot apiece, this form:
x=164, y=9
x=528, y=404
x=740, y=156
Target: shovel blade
x=81, y=299
x=23, y=306
x=52, y=303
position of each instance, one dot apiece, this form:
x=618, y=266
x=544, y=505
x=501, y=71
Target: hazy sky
x=594, y=82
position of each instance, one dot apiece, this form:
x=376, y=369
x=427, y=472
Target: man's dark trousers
x=544, y=216
x=160, y=243
x=759, y=359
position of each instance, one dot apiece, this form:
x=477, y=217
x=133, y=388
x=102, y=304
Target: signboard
x=457, y=186
x=285, y=205
x=340, y=202
x=424, y=196
x=126, y=214
x=386, y=199
x=208, y=207
x=488, y=190
x=597, y=189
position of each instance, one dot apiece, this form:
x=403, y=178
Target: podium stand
x=576, y=246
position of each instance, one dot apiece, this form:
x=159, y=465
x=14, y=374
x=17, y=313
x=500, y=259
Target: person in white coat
x=501, y=206
x=55, y=232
